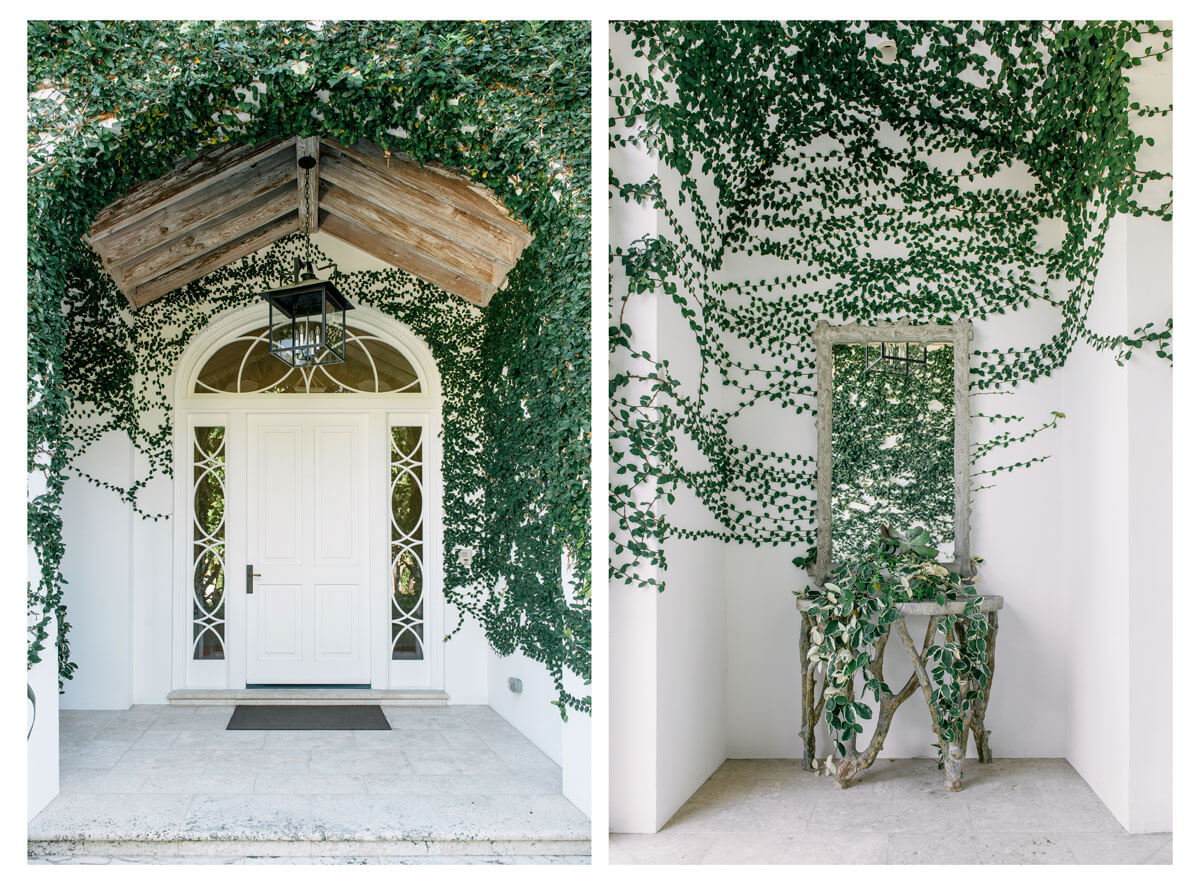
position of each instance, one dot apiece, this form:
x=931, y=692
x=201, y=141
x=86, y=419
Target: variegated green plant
x=856, y=607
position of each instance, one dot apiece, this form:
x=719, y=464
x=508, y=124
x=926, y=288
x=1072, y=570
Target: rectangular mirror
x=893, y=438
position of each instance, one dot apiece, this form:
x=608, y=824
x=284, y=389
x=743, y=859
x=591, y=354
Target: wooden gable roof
x=234, y=200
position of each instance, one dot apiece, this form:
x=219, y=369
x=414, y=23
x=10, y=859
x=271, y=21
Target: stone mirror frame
x=826, y=336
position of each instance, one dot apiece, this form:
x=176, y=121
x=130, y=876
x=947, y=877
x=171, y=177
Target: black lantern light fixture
x=894, y=357
x=308, y=317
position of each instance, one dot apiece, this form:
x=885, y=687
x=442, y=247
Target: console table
x=855, y=761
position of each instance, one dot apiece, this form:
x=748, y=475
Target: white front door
x=307, y=538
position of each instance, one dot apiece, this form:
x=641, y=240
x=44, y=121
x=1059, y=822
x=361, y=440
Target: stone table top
x=987, y=603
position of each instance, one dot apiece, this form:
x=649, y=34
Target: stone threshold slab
x=213, y=848
x=307, y=696
x=347, y=860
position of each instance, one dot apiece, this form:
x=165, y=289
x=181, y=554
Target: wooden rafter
x=232, y=201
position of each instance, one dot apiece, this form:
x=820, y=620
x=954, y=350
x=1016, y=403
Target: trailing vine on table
x=852, y=615
x=505, y=103
x=854, y=172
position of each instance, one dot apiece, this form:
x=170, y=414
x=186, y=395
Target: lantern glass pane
x=335, y=328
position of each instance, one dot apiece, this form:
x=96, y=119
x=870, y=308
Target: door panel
x=337, y=616
x=279, y=635
x=277, y=494
x=338, y=532
x=308, y=615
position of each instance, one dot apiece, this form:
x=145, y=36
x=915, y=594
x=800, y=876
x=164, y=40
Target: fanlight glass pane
x=407, y=544
x=208, y=543
x=246, y=365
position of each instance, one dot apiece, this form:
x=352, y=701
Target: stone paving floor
x=156, y=783
x=1019, y=811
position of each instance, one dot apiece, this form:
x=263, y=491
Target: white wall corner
x=522, y=692
x=1120, y=720
x=577, y=750
x=633, y=704
x=633, y=611
x=1096, y=464
x=1149, y=607
x=42, y=743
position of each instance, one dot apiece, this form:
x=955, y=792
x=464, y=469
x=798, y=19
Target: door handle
x=251, y=574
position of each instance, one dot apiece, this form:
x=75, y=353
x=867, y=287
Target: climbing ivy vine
x=854, y=172
x=505, y=103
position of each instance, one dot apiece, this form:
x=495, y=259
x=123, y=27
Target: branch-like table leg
x=808, y=721
x=888, y=704
x=981, y=732
x=952, y=751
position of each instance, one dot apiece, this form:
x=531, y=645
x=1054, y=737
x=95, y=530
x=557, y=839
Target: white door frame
x=384, y=410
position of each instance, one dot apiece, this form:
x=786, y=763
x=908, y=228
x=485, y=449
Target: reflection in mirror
x=892, y=443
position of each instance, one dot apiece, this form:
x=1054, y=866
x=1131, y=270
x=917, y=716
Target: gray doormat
x=300, y=717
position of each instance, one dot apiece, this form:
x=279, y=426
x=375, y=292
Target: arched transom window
x=245, y=365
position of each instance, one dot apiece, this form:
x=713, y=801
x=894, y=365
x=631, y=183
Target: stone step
x=308, y=696
x=342, y=851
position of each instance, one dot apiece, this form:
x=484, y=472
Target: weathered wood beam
x=395, y=253
x=118, y=246
x=235, y=199
x=187, y=178
x=211, y=261
x=453, y=187
x=441, y=208
x=209, y=237
x=486, y=269
x=308, y=147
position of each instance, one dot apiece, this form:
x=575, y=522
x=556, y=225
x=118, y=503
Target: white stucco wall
x=692, y=675
x=1096, y=491
x=98, y=565
x=151, y=580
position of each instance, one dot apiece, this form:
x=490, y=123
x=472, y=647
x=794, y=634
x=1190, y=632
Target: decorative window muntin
x=406, y=505
x=208, y=543
x=245, y=365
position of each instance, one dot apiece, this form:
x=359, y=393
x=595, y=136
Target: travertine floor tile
x=160, y=776
x=1014, y=811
